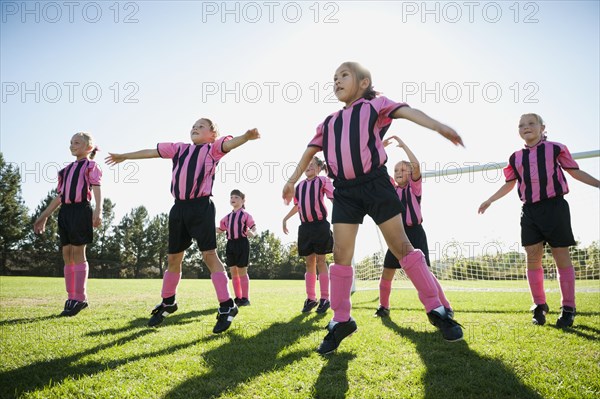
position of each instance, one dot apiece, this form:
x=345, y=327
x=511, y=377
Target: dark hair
x=321, y=164
x=238, y=193
x=360, y=72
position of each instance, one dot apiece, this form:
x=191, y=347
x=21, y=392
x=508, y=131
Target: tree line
x=134, y=247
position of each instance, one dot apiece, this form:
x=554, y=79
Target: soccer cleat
x=539, y=314
x=451, y=330
x=324, y=304
x=382, y=312
x=237, y=300
x=566, y=318
x=337, y=332
x=309, y=305
x=160, y=312
x=243, y=302
x=76, y=307
x=449, y=312
x=225, y=316
x=68, y=305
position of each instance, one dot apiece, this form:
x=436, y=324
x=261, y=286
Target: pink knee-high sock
x=566, y=279
x=70, y=281
x=80, y=273
x=310, y=281
x=441, y=295
x=535, y=278
x=221, y=281
x=237, y=287
x=385, y=289
x=170, y=283
x=245, y=284
x=324, y=285
x=416, y=269
x=341, y=286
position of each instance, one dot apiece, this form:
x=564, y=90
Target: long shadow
x=244, y=356
x=333, y=379
x=173, y=320
x=454, y=371
x=28, y=320
x=583, y=331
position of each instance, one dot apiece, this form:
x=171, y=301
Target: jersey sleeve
x=509, y=172
x=167, y=150
x=216, y=150
x=565, y=159
x=385, y=107
x=417, y=186
x=327, y=187
x=94, y=173
x=317, y=140
x=250, y=221
x=223, y=224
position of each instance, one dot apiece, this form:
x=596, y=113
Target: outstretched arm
x=288, y=189
x=420, y=118
x=291, y=213
x=113, y=159
x=583, y=177
x=39, y=226
x=235, y=142
x=416, y=167
x=505, y=189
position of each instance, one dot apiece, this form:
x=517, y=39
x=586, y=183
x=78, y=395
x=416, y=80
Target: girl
x=239, y=225
x=314, y=234
x=545, y=217
x=351, y=142
x=193, y=214
x=76, y=219
x=407, y=182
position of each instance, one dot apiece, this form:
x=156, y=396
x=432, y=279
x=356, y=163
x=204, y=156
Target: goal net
x=468, y=250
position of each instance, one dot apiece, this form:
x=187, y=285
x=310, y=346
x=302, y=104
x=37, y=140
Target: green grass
x=107, y=352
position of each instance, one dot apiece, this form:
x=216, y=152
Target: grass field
x=108, y=352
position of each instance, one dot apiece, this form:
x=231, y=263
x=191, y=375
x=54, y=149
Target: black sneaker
x=539, y=314
x=68, y=305
x=243, y=302
x=160, y=312
x=225, y=316
x=77, y=307
x=451, y=330
x=337, y=332
x=237, y=300
x=382, y=312
x=309, y=305
x=324, y=304
x=566, y=318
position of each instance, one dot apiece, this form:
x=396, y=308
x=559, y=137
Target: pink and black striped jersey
x=76, y=180
x=236, y=224
x=351, y=139
x=538, y=171
x=410, y=196
x=309, y=198
x=193, y=167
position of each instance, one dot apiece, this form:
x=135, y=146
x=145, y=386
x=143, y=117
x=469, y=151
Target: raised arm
x=583, y=177
x=288, y=189
x=39, y=226
x=235, y=142
x=416, y=167
x=420, y=118
x=505, y=189
x=291, y=213
x=113, y=159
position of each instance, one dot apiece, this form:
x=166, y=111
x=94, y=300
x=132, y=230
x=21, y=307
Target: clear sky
x=141, y=72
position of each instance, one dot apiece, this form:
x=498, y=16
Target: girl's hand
x=388, y=141
x=40, y=225
x=252, y=134
x=450, y=134
x=288, y=193
x=285, y=229
x=97, y=219
x=484, y=205
x=113, y=159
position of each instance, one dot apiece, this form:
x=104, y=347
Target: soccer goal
x=468, y=250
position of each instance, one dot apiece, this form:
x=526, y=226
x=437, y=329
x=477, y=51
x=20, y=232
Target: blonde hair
x=213, y=126
x=360, y=72
x=90, y=142
x=540, y=121
x=320, y=164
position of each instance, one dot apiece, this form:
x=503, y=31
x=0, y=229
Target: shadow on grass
x=333, y=379
x=455, y=371
x=29, y=320
x=247, y=352
x=583, y=331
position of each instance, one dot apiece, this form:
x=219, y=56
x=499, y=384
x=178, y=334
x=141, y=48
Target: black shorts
x=189, y=219
x=417, y=237
x=237, y=252
x=315, y=238
x=372, y=195
x=547, y=221
x=75, y=224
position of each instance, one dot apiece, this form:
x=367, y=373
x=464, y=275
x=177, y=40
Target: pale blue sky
x=477, y=69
